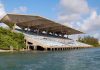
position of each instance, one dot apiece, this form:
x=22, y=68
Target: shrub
x=8, y=38
x=89, y=40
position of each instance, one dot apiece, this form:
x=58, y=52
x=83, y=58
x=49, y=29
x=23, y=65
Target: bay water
x=82, y=59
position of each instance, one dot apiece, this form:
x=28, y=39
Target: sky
x=83, y=15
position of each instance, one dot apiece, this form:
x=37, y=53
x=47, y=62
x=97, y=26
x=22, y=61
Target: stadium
x=43, y=34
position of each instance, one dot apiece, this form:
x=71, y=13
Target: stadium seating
x=51, y=41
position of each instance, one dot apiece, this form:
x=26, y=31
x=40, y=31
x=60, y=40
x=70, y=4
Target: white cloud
x=2, y=10
x=69, y=18
x=73, y=10
x=21, y=9
x=78, y=14
x=75, y=6
x=92, y=23
x=73, y=15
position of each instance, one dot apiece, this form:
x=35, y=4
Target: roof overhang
x=38, y=22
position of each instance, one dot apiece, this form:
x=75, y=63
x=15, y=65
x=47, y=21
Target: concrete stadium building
x=42, y=33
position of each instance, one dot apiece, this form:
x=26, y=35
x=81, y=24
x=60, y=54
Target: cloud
x=21, y=9
x=2, y=10
x=69, y=18
x=73, y=16
x=79, y=15
x=73, y=10
x=92, y=23
x=75, y=6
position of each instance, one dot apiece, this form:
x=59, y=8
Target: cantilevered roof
x=37, y=22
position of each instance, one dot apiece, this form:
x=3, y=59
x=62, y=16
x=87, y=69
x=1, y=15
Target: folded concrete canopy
x=39, y=23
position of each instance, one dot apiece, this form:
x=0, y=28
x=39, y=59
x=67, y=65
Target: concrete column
x=35, y=47
x=23, y=29
x=47, y=32
x=53, y=33
x=50, y=49
x=67, y=36
x=28, y=47
x=57, y=34
x=11, y=48
x=45, y=49
x=13, y=28
x=62, y=35
x=27, y=28
x=57, y=49
x=60, y=49
x=38, y=31
x=26, y=44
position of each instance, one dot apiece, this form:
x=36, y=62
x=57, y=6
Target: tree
x=89, y=40
x=8, y=38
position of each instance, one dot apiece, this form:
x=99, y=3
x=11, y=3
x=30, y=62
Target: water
x=84, y=59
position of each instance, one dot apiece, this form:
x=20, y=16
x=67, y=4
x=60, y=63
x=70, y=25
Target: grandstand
x=43, y=34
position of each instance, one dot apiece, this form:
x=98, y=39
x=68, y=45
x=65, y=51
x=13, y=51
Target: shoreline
x=1, y=50
x=5, y=50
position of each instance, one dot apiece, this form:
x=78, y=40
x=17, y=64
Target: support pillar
x=62, y=35
x=27, y=47
x=11, y=48
x=13, y=28
x=45, y=49
x=58, y=35
x=57, y=49
x=26, y=44
x=67, y=37
x=53, y=33
x=35, y=47
x=47, y=32
x=23, y=29
x=38, y=31
x=50, y=49
x=27, y=29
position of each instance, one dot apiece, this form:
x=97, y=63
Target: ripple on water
x=85, y=59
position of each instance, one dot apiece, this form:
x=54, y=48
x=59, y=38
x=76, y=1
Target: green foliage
x=8, y=38
x=10, y=25
x=89, y=40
